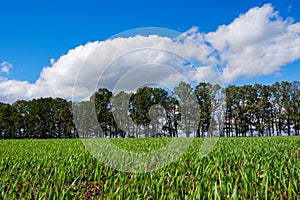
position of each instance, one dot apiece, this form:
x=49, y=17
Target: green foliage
x=237, y=168
x=251, y=110
x=38, y=118
x=266, y=110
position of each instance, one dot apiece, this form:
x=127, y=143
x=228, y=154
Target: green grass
x=237, y=168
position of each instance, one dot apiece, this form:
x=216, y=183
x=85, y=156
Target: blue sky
x=33, y=32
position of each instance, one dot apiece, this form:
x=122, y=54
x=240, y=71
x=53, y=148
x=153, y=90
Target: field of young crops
x=247, y=168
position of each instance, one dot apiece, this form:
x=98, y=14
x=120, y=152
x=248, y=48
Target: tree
x=85, y=119
x=188, y=107
x=104, y=116
x=6, y=121
x=295, y=106
x=278, y=108
x=140, y=104
x=62, y=125
x=232, y=110
x=120, y=110
x=21, y=118
x=203, y=95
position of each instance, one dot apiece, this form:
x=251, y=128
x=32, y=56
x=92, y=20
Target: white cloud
x=5, y=67
x=52, y=61
x=258, y=42
x=77, y=74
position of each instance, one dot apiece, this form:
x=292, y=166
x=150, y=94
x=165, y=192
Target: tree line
x=263, y=110
x=37, y=118
x=203, y=110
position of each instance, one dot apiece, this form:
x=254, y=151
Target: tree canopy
x=249, y=110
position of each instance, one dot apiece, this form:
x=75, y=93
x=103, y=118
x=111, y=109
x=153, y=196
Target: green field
x=237, y=168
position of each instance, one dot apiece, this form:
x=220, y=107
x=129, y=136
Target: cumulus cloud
x=102, y=64
x=258, y=42
x=5, y=67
